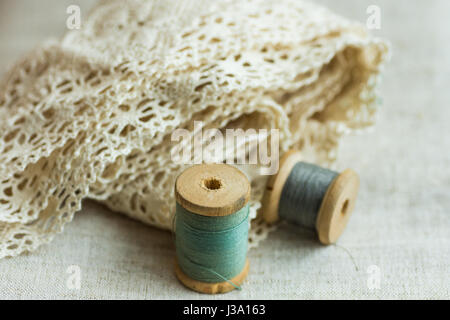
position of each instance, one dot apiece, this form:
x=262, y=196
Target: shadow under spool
x=208, y=194
x=310, y=196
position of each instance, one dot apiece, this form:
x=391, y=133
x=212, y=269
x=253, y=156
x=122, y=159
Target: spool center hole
x=345, y=207
x=212, y=183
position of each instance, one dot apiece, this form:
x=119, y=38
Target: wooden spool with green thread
x=215, y=191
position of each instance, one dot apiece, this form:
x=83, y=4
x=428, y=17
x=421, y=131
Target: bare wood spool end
x=212, y=190
x=337, y=204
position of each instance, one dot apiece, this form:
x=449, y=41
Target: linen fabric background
x=400, y=227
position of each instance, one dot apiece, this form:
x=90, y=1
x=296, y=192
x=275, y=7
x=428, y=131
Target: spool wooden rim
x=275, y=185
x=337, y=206
x=212, y=189
x=211, y=288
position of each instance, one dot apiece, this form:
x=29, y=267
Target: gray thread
x=303, y=193
x=349, y=254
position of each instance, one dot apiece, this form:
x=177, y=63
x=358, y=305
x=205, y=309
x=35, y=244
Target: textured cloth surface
x=400, y=224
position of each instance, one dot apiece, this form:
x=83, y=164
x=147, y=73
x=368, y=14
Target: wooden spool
x=337, y=204
x=212, y=190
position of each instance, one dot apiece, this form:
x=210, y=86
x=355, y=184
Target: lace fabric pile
x=91, y=115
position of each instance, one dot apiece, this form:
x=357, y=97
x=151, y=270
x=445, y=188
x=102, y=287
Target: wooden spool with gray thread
x=336, y=206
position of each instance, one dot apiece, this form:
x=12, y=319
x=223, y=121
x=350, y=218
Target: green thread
x=212, y=249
